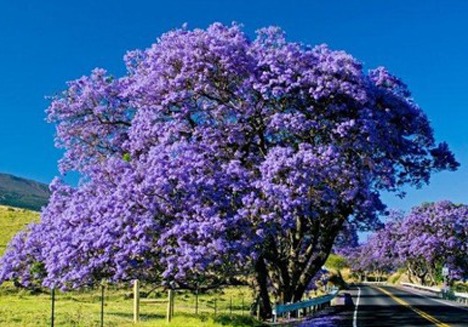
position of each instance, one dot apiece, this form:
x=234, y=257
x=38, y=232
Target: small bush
x=460, y=287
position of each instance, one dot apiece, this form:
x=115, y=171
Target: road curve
x=382, y=306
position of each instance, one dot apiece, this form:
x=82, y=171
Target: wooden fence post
x=136, y=300
x=102, y=304
x=173, y=303
x=170, y=305
x=52, y=315
x=196, y=301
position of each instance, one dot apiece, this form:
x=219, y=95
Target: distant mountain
x=23, y=193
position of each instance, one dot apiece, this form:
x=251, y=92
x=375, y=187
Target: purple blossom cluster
x=428, y=238
x=217, y=155
x=377, y=255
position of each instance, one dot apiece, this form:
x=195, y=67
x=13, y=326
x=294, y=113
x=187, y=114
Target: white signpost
x=446, y=287
x=445, y=271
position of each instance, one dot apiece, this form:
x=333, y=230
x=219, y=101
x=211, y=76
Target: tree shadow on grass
x=237, y=320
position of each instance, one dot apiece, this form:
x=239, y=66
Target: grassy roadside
x=12, y=220
x=23, y=309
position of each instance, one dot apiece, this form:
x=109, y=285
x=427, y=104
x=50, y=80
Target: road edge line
x=356, y=308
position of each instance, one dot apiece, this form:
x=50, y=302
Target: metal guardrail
x=462, y=296
x=311, y=304
x=445, y=294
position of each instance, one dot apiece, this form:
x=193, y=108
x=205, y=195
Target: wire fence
x=228, y=302
x=114, y=305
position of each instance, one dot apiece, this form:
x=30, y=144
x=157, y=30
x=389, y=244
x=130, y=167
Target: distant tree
x=429, y=237
x=378, y=254
x=218, y=155
x=433, y=235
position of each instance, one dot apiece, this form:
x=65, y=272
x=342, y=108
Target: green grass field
x=13, y=220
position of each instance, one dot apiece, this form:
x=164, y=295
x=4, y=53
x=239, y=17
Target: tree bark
x=315, y=262
x=262, y=284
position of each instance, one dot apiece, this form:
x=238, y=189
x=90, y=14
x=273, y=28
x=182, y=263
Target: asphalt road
x=383, y=306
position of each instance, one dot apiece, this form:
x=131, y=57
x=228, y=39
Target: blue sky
x=43, y=44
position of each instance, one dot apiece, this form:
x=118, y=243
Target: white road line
x=356, y=308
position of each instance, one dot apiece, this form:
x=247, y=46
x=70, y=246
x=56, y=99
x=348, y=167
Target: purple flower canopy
x=431, y=236
x=217, y=155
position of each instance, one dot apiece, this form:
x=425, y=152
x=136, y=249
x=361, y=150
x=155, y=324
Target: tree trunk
x=422, y=278
x=313, y=263
x=410, y=274
x=262, y=284
x=292, y=260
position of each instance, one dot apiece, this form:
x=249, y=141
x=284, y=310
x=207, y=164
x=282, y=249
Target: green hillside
x=13, y=220
x=22, y=193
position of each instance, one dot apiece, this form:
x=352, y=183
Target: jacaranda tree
x=378, y=255
x=432, y=236
x=423, y=241
x=217, y=155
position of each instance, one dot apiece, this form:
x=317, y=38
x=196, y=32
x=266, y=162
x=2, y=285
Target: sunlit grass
x=13, y=220
x=23, y=308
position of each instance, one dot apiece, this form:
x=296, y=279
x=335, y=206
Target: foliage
x=396, y=276
x=460, y=287
x=378, y=255
x=336, y=262
x=347, y=240
x=433, y=235
x=429, y=237
x=217, y=155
